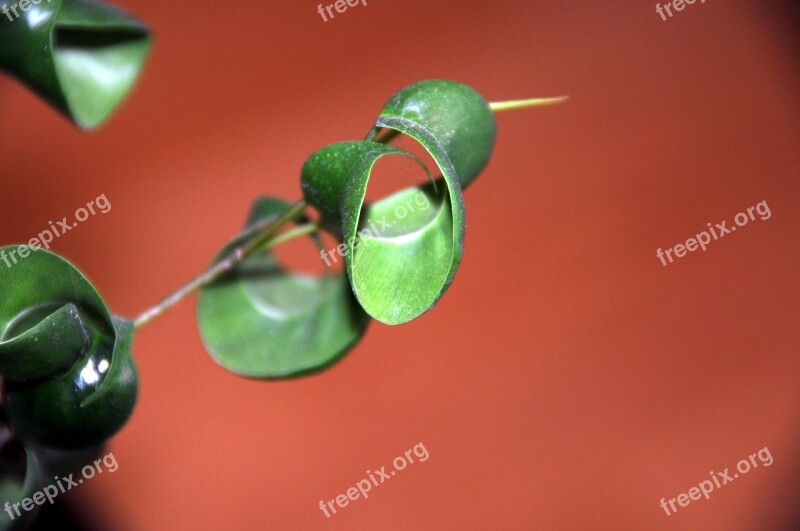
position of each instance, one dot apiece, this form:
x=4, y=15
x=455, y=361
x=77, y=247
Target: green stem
x=289, y=235
x=520, y=104
x=264, y=234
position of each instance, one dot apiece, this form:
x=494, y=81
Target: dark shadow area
x=89, y=38
x=786, y=14
x=57, y=516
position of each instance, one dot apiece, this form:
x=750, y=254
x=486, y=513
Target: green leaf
x=80, y=55
x=67, y=412
x=452, y=121
x=404, y=267
x=47, y=349
x=262, y=321
x=33, y=278
x=402, y=252
x=61, y=391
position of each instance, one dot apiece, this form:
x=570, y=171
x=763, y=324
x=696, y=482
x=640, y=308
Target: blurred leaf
x=80, y=55
x=82, y=393
x=262, y=321
x=62, y=462
x=404, y=253
x=19, y=478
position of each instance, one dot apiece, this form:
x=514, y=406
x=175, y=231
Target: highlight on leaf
x=69, y=380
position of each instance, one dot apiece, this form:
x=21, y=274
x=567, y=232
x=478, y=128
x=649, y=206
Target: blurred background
x=567, y=380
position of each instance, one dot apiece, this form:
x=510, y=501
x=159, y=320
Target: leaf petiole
x=293, y=234
x=264, y=234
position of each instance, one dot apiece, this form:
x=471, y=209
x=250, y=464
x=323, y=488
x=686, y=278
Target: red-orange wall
x=567, y=380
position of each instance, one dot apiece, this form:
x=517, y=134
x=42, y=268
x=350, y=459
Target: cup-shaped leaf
x=451, y=120
x=85, y=406
x=402, y=252
x=261, y=320
x=82, y=56
x=85, y=389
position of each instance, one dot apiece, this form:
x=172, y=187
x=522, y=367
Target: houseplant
x=69, y=378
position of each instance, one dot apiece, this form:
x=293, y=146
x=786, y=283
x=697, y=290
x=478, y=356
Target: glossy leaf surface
x=47, y=349
x=83, y=392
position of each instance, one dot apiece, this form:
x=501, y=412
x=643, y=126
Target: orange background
x=567, y=380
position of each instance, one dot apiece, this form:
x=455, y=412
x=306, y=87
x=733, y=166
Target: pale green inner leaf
x=97, y=68
x=404, y=247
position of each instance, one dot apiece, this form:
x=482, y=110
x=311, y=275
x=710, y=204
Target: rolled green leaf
x=82, y=56
x=263, y=321
x=67, y=412
x=47, y=349
x=451, y=120
x=402, y=252
x=82, y=393
x=404, y=266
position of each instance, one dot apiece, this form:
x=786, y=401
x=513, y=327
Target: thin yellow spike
x=520, y=104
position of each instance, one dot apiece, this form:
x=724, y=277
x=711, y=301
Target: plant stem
x=264, y=233
x=289, y=235
x=519, y=104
